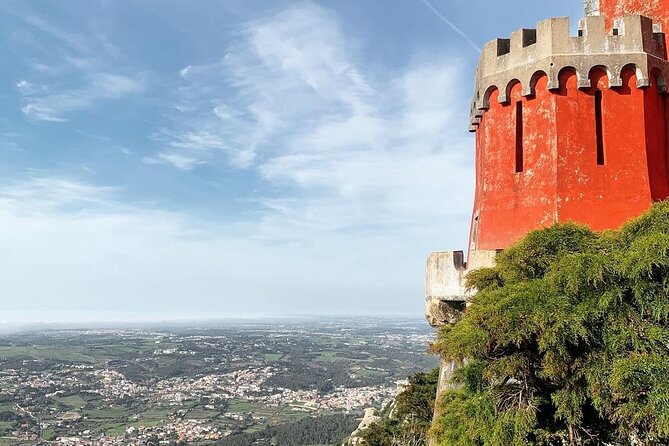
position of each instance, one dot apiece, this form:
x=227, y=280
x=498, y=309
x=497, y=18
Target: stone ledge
x=446, y=294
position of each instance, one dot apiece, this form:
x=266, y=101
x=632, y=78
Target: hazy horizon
x=118, y=317
x=89, y=321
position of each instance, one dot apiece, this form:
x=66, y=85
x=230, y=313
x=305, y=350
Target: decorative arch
x=641, y=79
x=534, y=80
x=507, y=91
x=563, y=75
x=485, y=101
x=597, y=73
x=629, y=79
x=660, y=80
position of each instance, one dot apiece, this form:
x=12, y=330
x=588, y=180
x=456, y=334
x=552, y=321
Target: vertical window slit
x=519, y=136
x=599, y=127
x=475, y=233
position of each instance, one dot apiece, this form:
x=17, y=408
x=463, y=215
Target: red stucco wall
x=561, y=179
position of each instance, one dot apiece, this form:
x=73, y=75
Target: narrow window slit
x=599, y=127
x=519, y=137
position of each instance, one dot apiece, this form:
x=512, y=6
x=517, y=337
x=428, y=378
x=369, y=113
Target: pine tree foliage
x=565, y=343
x=406, y=422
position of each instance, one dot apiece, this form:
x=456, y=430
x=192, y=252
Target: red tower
x=567, y=128
x=571, y=127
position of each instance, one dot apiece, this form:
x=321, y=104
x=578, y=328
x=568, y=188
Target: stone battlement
x=550, y=48
x=446, y=292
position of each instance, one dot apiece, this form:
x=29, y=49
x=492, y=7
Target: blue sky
x=215, y=158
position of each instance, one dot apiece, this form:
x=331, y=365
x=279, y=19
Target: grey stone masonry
x=446, y=292
x=547, y=50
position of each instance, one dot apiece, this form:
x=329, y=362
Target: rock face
x=440, y=312
x=369, y=418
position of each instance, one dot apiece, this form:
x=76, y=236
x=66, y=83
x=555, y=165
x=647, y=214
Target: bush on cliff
x=566, y=342
x=407, y=420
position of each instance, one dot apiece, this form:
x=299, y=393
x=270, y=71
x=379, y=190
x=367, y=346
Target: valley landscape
x=233, y=383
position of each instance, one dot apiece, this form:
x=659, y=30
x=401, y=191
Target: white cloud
x=181, y=162
x=97, y=87
x=114, y=85
x=25, y=87
x=184, y=71
x=203, y=144
x=75, y=42
x=75, y=70
x=307, y=115
x=42, y=193
x=42, y=112
x=88, y=169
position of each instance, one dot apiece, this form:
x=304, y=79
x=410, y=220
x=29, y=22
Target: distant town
x=234, y=383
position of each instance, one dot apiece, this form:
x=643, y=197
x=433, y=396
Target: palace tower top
x=571, y=127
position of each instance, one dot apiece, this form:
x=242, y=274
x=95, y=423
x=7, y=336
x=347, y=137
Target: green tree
x=566, y=342
x=408, y=419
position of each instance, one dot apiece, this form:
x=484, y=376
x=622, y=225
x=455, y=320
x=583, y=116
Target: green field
x=54, y=353
x=201, y=414
x=157, y=413
x=72, y=401
x=238, y=405
x=328, y=357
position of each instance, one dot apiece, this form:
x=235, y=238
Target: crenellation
x=552, y=34
x=550, y=48
x=503, y=47
x=592, y=26
x=521, y=39
x=529, y=36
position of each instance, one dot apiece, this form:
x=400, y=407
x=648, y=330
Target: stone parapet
x=550, y=48
x=446, y=292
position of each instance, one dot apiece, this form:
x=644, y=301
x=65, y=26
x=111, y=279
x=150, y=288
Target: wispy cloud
x=177, y=160
x=40, y=193
x=97, y=87
x=73, y=41
x=184, y=71
x=304, y=112
x=25, y=87
x=71, y=71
